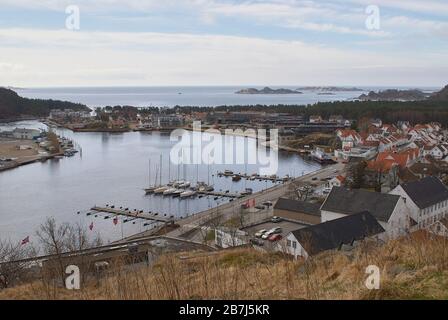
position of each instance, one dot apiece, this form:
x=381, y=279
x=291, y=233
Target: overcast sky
x=224, y=42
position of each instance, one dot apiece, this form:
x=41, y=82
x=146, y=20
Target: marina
x=114, y=167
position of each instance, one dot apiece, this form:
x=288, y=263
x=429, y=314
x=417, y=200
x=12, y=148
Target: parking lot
x=286, y=226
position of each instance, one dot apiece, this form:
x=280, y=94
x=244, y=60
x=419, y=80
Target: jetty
x=273, y=178
x=135, y=214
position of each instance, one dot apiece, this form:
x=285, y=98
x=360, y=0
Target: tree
x=358, y=174
x=12, y=269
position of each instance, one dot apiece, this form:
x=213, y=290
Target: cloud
x=60, y=57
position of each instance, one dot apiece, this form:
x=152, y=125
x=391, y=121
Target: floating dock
x=254, y=177
x=134, y=214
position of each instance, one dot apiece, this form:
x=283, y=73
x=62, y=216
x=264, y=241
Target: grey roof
x=426, y=192
x=298, y=206
x=351, y=201
x=333, y=234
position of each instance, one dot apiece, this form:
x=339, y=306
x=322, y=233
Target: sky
x=223, y=42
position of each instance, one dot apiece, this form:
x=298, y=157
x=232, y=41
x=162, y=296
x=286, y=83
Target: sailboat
x=151, y=189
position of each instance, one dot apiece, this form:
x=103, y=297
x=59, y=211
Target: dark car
x=276, y=219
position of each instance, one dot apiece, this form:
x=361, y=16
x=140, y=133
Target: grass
x=412, y=268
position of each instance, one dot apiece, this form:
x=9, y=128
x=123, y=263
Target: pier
x=134, y=214
x=254, y=177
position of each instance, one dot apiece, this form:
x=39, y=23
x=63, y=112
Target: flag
x=115, y=220
x=91, y=226
x=26, y=240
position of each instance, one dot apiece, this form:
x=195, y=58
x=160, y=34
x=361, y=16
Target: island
x=394, y=95
x=330, y=89
x=441, y=95
x=268, y=90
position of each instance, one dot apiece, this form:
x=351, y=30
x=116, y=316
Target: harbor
x=113, y=168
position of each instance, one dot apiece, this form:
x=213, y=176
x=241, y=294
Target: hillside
x=13, y=106
x=442, y=95
x=413, y=268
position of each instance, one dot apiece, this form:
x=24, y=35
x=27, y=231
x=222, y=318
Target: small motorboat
x=236, y=178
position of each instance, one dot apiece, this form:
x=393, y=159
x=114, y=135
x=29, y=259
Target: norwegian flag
x=91, y=226
x=26, y=240
x=115, y=220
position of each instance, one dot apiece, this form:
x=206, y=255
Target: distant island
x=13, y=107
x=441, y=95
x=330, y=89
x=394, y=95
x=268, y=90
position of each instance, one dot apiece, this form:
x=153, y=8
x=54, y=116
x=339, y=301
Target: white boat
x=187, y=194
x=185, y=185
x=161, y=190
x=176, y=184
x=169, y=191
x=178, y=192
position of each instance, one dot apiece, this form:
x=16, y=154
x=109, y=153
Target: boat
x=150, y=190
x=184, y=185
x=228, y=172
x=169, y=191
x=236, y=178
x=187, y=194
x=177, y=193
x=160, y=190
x=320, y=156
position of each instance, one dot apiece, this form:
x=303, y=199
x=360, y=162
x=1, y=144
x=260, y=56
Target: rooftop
x=426, y=192
x=332, y=234
x=352, y=201
x=298, y=206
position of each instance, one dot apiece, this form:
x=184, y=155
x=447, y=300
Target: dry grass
x=414, y=268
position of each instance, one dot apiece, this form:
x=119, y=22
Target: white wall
x=424, y=217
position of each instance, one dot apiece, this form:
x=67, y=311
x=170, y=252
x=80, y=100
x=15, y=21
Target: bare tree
x=12, y=269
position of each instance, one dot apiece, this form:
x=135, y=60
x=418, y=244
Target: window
x=288, y=243
x=294, y=244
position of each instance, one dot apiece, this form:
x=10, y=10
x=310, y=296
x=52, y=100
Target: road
x=230, y=209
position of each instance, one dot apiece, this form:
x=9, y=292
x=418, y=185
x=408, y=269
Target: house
x=336, y=118
x=437, y=152
x=439, y=228
x=349, y=138
x=390, y=210
x=426, y=200
x=230, y=237
x=297, y=211
x=26, y=134
x=336, y=182
x=316, y=119
x=331, y=235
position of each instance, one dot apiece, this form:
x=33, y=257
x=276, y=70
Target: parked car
x=267, y=235
x=314, y=179
x=260, y=233
x=275, y=237
x=276, y=230
x=267, y=204
x=276, y=219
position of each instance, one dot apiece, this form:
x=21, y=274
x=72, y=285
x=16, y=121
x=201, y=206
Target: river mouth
x=113, y=169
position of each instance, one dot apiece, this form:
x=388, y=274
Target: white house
x=426, y=200
x=390, y=210
x=331, y=235
x=28, y=134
